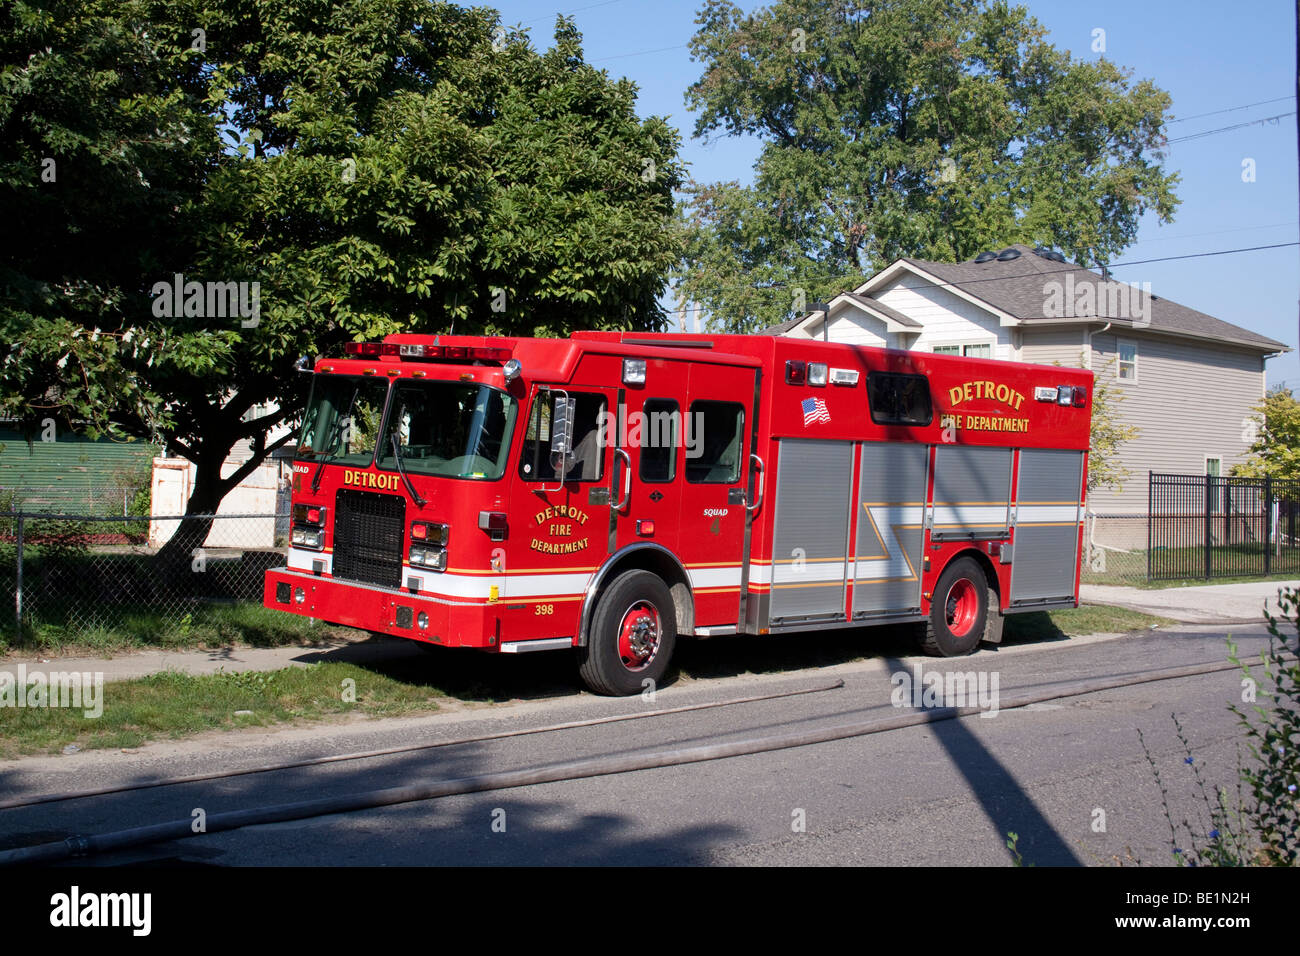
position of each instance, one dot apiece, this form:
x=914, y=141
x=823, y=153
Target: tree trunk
x=176, y=559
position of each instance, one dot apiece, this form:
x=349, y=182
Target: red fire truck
x=612, y=491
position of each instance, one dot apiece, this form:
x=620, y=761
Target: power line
x=1230, y=109
x=1217, y=232
x=782, y=286
x=1201, y=255
x=624, y=56
x=1227, y=129
x=552, y=16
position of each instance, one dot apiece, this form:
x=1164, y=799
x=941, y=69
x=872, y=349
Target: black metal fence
x=1202, y=526
x=78, y=574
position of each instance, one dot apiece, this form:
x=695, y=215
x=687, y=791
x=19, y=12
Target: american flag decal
x=814, y=410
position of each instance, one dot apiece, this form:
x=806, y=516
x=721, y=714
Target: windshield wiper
x=336, y=432
x=401, y=469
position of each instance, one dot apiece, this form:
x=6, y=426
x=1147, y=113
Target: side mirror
x=303, y=364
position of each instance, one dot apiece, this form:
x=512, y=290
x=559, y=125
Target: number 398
x=542, y=609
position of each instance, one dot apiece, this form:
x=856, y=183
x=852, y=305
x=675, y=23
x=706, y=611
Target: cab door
x=646, y=491
x=565, y=515
x=718, y=428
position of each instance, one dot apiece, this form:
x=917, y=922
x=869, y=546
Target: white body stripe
x=969, y=515
x=810, y=572
x=300, y=559
x=1036, y=514
x=714, y=577
x=887, y=519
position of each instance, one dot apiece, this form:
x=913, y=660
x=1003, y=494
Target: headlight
x=433, y=558
x=307, y=538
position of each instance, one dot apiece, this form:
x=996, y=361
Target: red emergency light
x=408, y=350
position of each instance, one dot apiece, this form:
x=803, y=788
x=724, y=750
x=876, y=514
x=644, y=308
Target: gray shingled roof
x=868, y=302
x=1020, y=288
x=782, y=327
x=865, y=300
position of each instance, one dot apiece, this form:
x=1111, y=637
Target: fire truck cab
x=612, y=491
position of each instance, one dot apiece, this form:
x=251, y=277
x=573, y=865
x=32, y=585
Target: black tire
x=633, y=633
x=958, y=611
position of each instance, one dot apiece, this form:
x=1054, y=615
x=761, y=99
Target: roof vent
x=986, y=257
x=1006, y=255
x=1046, y=253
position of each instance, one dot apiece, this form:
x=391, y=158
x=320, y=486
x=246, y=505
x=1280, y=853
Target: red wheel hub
x=962, y=607
x=639, y=635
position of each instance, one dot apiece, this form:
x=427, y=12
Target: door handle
x=627, y=479
x=759, y=468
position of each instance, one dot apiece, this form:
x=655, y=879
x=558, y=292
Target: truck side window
x=588, y=443
x=715, y=443
x=899, y=399
x=658, y=439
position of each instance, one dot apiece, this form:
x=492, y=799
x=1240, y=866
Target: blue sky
x=1209, y=57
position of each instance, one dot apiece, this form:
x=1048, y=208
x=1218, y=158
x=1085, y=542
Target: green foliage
x=1275, y=451
x=375, y=165
x=1013, y=844
x=925, y=128
x=1260, y=825
x=1273, y=739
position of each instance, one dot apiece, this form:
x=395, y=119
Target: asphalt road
x=1070, y=776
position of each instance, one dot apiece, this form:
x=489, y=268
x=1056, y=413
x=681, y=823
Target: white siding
x=947, y=318
x=852, y=326
x=1052, y=345
x=1190, y=401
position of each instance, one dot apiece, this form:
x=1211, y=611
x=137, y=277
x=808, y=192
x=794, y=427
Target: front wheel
x=958, y=611
x=632, y=636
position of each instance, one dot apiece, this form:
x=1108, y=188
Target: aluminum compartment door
x=972, y=492
x=810, y=543
x=1047, y=525
x=891, y=527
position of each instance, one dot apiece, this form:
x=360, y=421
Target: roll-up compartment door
x=972, y=492
x=810, y=541
x=891, y=528
x=1048, y=512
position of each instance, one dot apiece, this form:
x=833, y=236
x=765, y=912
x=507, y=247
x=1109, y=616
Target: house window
x=983, y=350
x=1128, y=360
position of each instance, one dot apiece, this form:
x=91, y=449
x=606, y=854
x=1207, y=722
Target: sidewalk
x=1203, y=604
x=144, y=663
x=1209, y=604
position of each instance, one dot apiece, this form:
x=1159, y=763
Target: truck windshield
x=342, y=419
x=449, y=429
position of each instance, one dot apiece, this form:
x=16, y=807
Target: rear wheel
x=958, y=611
x=633, y=632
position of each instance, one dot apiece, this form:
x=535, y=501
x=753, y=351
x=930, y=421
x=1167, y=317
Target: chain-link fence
x=76, y=574
x=1114, y=549
x=84, y=494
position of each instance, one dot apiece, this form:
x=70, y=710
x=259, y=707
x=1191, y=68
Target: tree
x=374, y=166
x=890, y=128
x=1275, y=450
